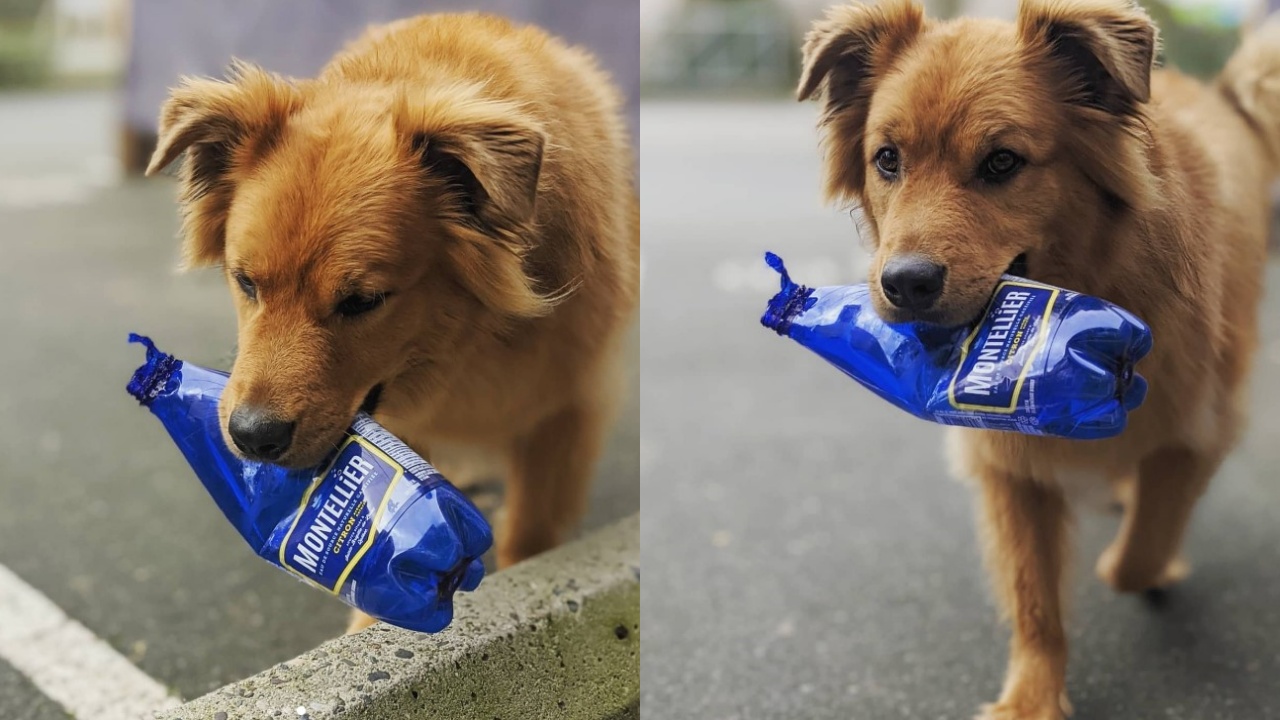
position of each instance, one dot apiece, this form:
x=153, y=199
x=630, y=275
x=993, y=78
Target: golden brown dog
x=1050, y=146
x=442, y=228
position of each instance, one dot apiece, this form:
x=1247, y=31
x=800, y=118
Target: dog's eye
x=1000, y=165
x=246, y=286
x=887, y=162
x=354, y=305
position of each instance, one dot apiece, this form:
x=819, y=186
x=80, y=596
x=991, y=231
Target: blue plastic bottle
x=376, y=525
x=1041, y=360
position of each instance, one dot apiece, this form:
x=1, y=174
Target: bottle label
x=997, y=355
x=336, y=520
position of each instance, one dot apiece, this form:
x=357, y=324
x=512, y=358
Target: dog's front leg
x=1025, y=523
x=550, y=476
x=1144, y=554
x=358, y=621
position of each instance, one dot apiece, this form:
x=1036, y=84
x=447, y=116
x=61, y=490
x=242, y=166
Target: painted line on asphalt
x=68, y=663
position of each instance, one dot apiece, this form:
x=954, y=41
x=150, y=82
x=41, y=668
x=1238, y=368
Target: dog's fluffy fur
x=467, y=184
x=1145, y=188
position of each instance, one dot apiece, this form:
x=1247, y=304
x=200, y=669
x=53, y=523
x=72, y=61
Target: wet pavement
x=806, y=554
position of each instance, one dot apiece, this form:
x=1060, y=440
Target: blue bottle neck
x=151, y=379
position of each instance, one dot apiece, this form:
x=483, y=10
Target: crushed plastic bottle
x=1041, y=360
x=375, y=525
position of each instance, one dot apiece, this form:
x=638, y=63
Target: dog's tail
x=1251, y=83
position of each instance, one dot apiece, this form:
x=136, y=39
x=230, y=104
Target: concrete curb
x=557, y=636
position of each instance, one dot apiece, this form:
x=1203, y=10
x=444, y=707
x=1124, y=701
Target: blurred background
x=99, y=515
x=752, y=47
x=807, y=554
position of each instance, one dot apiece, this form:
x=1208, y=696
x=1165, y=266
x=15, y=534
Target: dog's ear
x=844, y=56
x=480, y=162
x=846, y=48
x=488, y=166
x=212, y=120
x=1104, y=50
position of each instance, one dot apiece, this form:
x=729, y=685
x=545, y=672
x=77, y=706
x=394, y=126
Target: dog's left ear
x=218, y=124
x=1103, y=49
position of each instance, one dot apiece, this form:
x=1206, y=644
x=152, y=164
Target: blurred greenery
x=751, y=47
x=20, y=9
x=1195, y=46
x=25, y=50
x=739, y=47
x=24, y=56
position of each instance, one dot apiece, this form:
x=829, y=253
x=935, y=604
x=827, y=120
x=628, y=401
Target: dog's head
x=974, y=146
x=362, y=231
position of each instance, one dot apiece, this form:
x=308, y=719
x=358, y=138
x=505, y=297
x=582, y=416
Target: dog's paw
x=1021, y=711
x=359, y=621
x=1131, y=580
x=1175, y=572
x=1018, y=710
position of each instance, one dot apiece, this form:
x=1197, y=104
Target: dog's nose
x=912, y=282
x=259, y=434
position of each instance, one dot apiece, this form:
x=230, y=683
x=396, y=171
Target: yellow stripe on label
x=1026, y=366
x=373, y=523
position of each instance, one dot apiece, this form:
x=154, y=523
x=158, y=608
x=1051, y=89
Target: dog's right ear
x=843, y=57
x=848, y=46
x=480, y=162
x=212, y=120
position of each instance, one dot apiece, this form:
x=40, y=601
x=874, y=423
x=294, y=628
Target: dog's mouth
x=370, y=404
x=1018, y=267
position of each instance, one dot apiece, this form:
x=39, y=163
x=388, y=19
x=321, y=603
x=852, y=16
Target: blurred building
x=171, y=38
x=88, y=37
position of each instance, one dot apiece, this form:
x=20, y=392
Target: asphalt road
x=98, y=510
x=806, y=555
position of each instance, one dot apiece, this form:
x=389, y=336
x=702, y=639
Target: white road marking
x=68, y=663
